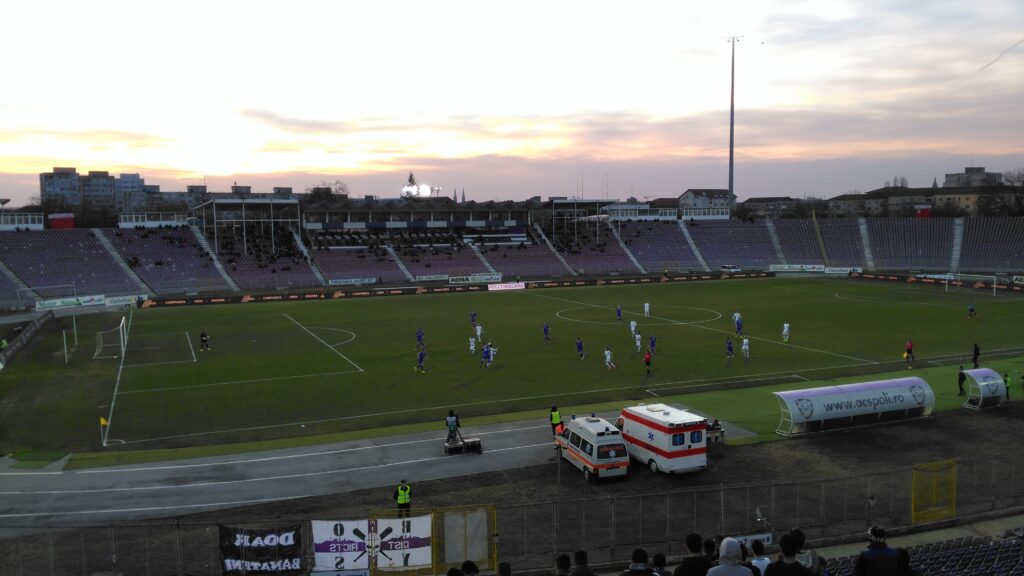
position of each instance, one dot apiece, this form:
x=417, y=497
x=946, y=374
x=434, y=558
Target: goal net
x=111, y=343
x=983, y=283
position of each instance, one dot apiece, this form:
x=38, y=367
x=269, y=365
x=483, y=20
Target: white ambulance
x=594, y=446
x=665, y=438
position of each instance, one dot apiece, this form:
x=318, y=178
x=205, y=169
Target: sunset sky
x=512, y=99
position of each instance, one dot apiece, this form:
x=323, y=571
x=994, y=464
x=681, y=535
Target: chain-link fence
x=530, y=534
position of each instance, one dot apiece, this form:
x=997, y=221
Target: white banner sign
x=842, y=270
x=351, y=547
x=124, y=300
x=431, y=277
x=70, y=302
x=796, y=268
x=848, y=400
x=507, y=286
x=351, y=281
x=479, y=278
x=341, y=545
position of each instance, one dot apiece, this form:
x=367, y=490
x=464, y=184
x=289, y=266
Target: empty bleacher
x=968, y=556
x=993, y=245
x=59, y=263
x=799, y=241
x=169, y=260
x=842, y=240
x=911, y=243
x=659, y=245
x=526, y=260
x=737, y=242
x=592, y=249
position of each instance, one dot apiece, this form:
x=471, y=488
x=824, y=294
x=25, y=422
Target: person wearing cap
x=881, y=560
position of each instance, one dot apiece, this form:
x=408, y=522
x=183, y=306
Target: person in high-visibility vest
x=403, y=496
x=556, y=419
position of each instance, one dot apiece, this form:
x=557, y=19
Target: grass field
x=310, y=368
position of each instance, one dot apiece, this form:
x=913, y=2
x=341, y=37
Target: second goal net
x=112, y=343
x=983, y=283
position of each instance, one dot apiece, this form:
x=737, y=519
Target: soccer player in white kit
x=608, y=358
x=746, y=348
x=785, y=331
x=632, y=326
x=647, y=309
x=479, y=332
x=638, y=339
x=472, y=345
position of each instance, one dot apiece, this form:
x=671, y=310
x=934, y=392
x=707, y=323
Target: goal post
x=986, y=283
x=112, y=343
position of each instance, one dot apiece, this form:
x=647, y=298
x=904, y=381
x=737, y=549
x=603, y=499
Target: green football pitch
x=307, y=368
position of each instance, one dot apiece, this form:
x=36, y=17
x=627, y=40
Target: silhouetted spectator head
x=710, y=549
x=800, y=538
x=758, y=547
x=694, y=543
x=658, y=561
x=876, y=535
x=469, y=568
x=453, y=571
x=580, y=558
x=562, y=563
x=504, y=569
x=639, y=556
x=787, y=544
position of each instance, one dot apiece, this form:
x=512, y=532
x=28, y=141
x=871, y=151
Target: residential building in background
x=706, y=204
x=973, y=177
x=60, y=188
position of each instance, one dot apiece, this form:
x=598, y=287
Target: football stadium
x=568, y=288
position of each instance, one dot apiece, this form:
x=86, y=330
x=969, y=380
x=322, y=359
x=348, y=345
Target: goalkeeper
x=204, y=341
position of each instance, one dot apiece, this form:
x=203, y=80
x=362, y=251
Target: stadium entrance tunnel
x=850, y=405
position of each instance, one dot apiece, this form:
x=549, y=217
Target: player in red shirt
x=647, y=361
x=909, y=352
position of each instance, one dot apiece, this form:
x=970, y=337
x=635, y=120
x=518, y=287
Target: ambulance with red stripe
x=664, y=438
x=594, y=446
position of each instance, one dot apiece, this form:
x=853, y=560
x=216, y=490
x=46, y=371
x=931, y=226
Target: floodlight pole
x=732, y=108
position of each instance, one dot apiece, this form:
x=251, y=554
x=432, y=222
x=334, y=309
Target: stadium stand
x=843, y=244
x=591, y=250
x=355, y=263
x=8, y=292
x=993, y=245
x=524, y=259
x=659, y=245
x=911, y=243
x=169, y=260
x=451, y=259
x=960, y=557
x=264, y=265
x=60, y=263
x=744, y=244
x=799, y=241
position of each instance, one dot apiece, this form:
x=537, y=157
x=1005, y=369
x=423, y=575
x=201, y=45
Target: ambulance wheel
x=654, y=466
x=587, y=475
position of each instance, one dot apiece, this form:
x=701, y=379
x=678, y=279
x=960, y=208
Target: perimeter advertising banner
x=276, y=550
x=353, y=547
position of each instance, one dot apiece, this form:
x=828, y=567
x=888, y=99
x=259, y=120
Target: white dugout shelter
x=986, y=389
x=848, y=405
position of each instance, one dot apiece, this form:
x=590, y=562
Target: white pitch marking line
x=720, y=331
x=164, y=389
x=258, y=479
x=117, y=382
x=190, y=348
x=294, y=456
x=319, y=339
x=158, y=364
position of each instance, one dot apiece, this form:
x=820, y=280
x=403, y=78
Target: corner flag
x=104, y=421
